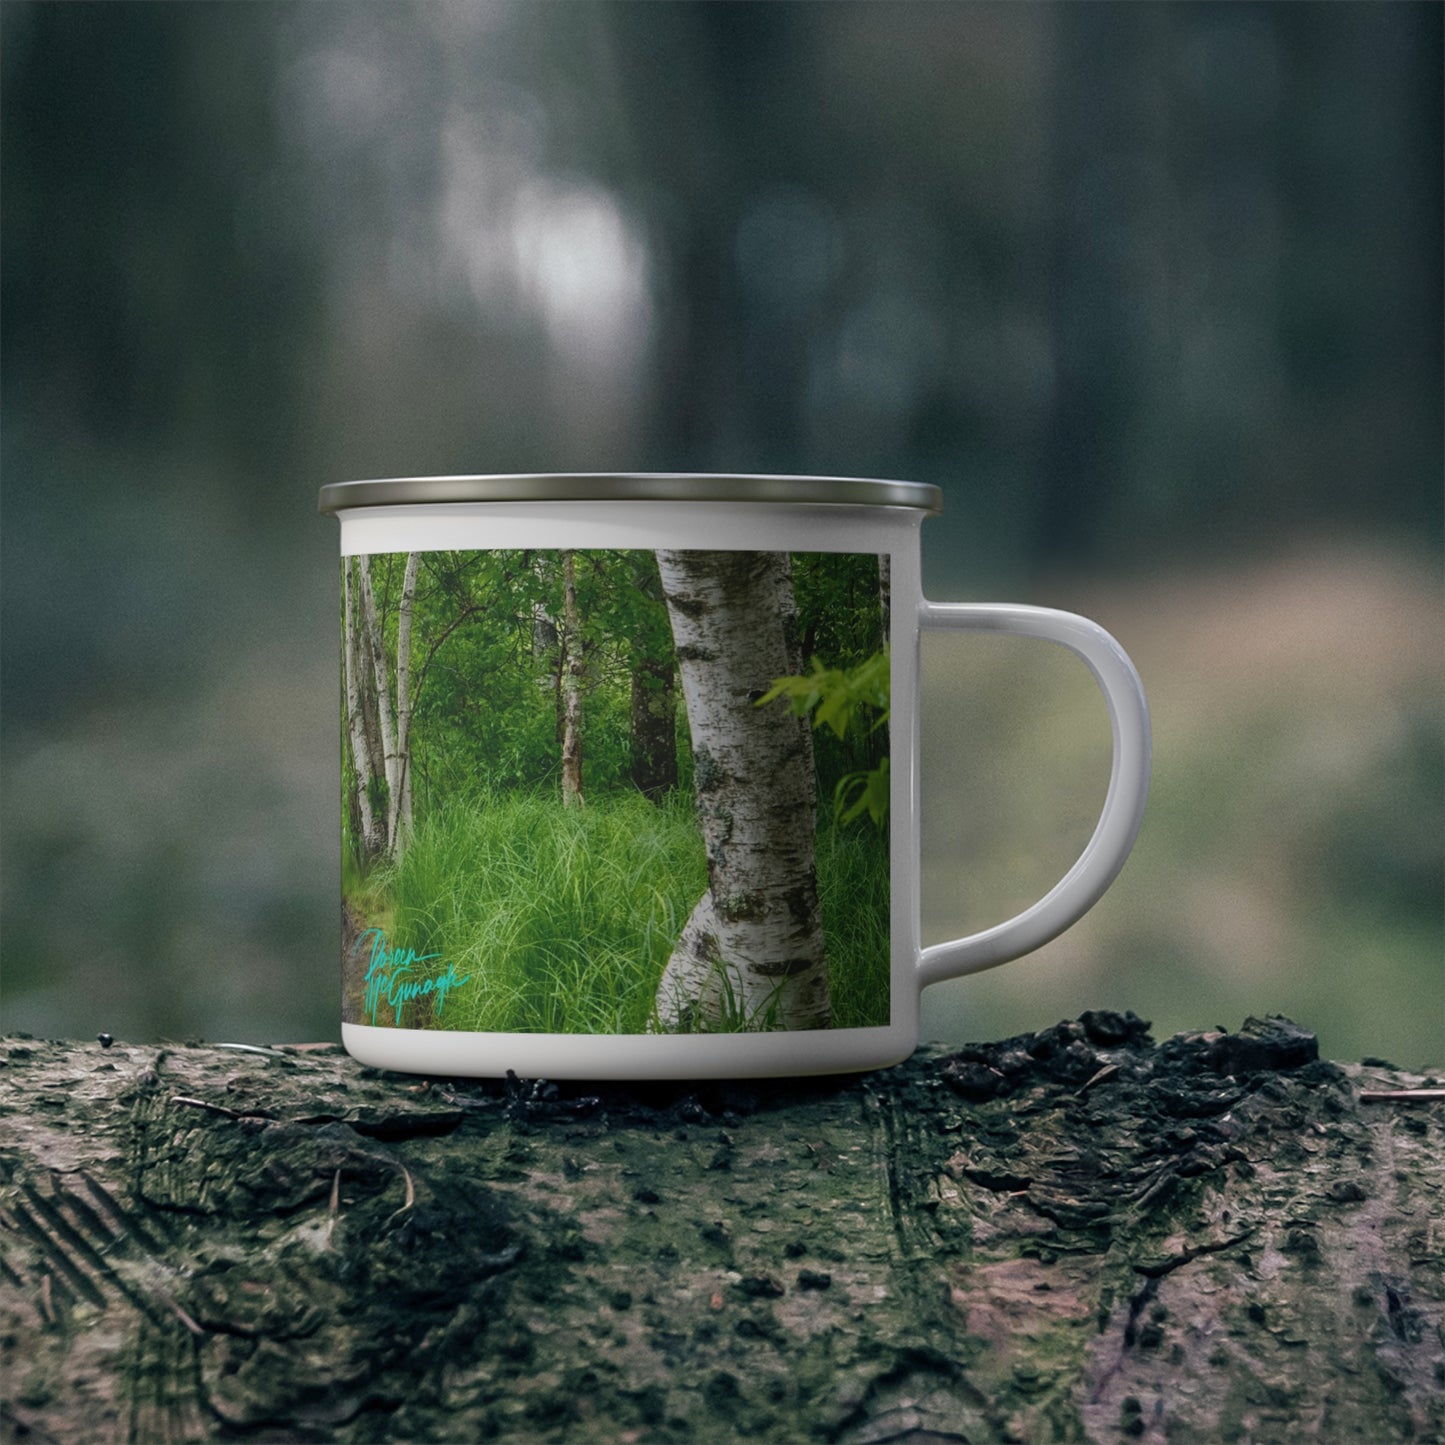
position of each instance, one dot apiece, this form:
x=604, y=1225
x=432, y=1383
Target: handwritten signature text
x=390, y=976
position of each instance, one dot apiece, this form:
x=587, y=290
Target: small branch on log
x=257, y=1049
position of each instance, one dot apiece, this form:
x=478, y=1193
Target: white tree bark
x=399, y=822
x=572, y=670
x=371, y=630
x=752, y=950
x=355, y=720
x=366, y=687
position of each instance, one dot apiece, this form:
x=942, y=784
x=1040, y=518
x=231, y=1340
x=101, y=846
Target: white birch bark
x=752, y=950
x=571, y=686
x=355, y=722
x=399, y=822
x=371, y=630
x=366, y=688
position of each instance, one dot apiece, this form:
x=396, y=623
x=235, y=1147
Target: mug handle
x=1099, y=864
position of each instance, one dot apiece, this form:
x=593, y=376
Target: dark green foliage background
x=485, y=713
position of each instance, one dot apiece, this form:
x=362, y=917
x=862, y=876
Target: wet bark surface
x=1074, y=1235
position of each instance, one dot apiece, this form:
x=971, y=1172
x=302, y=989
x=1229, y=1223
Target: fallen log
x=1072, y=1235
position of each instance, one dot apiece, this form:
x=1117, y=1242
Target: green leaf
x=863, y=792
x=836, y=712
x=837, y=698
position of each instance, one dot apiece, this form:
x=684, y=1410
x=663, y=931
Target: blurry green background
x=1153, y=292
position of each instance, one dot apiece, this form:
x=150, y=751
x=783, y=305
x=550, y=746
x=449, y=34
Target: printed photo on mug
x=593, y=791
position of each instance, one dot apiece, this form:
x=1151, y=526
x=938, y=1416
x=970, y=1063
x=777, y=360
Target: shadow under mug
x=630, y=774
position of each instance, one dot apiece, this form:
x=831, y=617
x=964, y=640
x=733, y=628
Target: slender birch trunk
x=544, y=632
x=571, y=680
x=371, y=626
x=752, y=950
x=355, y=719
x=399, y=821
x=366, y=686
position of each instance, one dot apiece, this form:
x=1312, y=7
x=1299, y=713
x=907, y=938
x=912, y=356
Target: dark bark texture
x=654, y=728
x=1077, y=1235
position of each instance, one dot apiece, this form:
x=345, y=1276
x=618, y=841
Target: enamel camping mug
x=630, y=780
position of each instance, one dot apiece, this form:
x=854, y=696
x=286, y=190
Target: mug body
x=705, y=686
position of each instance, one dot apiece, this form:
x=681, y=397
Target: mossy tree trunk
x=1075, y=1235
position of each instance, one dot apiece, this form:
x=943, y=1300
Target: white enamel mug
x=630, y=783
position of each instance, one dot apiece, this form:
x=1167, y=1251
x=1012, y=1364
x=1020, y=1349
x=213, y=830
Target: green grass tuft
x=854, y=895
x=561, y=920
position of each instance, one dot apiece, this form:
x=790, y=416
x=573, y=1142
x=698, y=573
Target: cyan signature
x=387, y=979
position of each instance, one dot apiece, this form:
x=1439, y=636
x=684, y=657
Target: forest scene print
x=615, y=792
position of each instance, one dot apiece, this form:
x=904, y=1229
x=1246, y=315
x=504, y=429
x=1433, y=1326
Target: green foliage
x=561, y=920
x=863, y=792
x=487, y=639
x=838, y=697
x=379, y=795
x=487, y=635
x=838, y=605
x=365, y=891
x=855, y=899
x=846, y=701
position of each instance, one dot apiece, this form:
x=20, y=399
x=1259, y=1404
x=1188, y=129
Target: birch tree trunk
x=356, y=721
x=1075, y=1235
x=400, y=815
x=573, y=665
x=371, y=719
x=752, y=950
x=377, y=654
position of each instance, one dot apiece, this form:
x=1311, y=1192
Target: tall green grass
x=854, y=895
x=561, y=920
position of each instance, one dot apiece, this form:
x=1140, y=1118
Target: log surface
x=1074, y=1235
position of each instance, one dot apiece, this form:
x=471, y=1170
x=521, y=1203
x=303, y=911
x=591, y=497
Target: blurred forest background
x=1152, y=291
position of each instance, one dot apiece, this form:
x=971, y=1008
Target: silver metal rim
x=630, y=487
